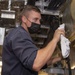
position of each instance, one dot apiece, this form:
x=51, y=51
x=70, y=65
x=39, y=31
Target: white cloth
x=65, y=48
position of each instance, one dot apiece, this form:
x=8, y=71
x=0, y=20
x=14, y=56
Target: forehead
x=34, y=14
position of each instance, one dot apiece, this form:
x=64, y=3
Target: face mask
x=35, y=28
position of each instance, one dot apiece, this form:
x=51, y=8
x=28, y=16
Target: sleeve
x=25, y=50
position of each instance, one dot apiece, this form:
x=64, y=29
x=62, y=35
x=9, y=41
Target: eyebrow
x=37, y=18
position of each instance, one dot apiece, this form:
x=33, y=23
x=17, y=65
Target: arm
x=44, y=54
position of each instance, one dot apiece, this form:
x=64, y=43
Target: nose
x=38, y=22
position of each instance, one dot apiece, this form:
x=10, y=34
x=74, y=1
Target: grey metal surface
x=55, y=71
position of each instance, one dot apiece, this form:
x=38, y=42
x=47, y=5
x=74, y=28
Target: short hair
x=28, y=8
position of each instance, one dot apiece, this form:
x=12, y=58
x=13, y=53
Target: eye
x=35, y=19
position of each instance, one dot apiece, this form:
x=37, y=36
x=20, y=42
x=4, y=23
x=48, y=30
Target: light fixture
x=7, y=14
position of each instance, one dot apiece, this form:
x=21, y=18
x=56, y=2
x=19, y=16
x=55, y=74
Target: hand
x=53, y=60
x=57, y=34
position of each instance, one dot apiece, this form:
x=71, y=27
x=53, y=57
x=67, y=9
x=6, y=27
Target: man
x=20, y=56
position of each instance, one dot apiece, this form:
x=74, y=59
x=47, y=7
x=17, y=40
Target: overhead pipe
x=9, y=5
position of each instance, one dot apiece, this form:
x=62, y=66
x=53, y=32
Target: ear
x=24, y=19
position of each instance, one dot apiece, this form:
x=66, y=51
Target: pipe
x=9, y=5
x=69, y=67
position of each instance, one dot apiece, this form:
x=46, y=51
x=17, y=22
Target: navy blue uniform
x=18, y=53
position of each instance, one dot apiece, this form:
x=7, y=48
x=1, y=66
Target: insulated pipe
x=9, y=5
x=25, y=2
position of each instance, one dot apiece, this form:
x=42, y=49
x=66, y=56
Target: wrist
x=55, y=40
